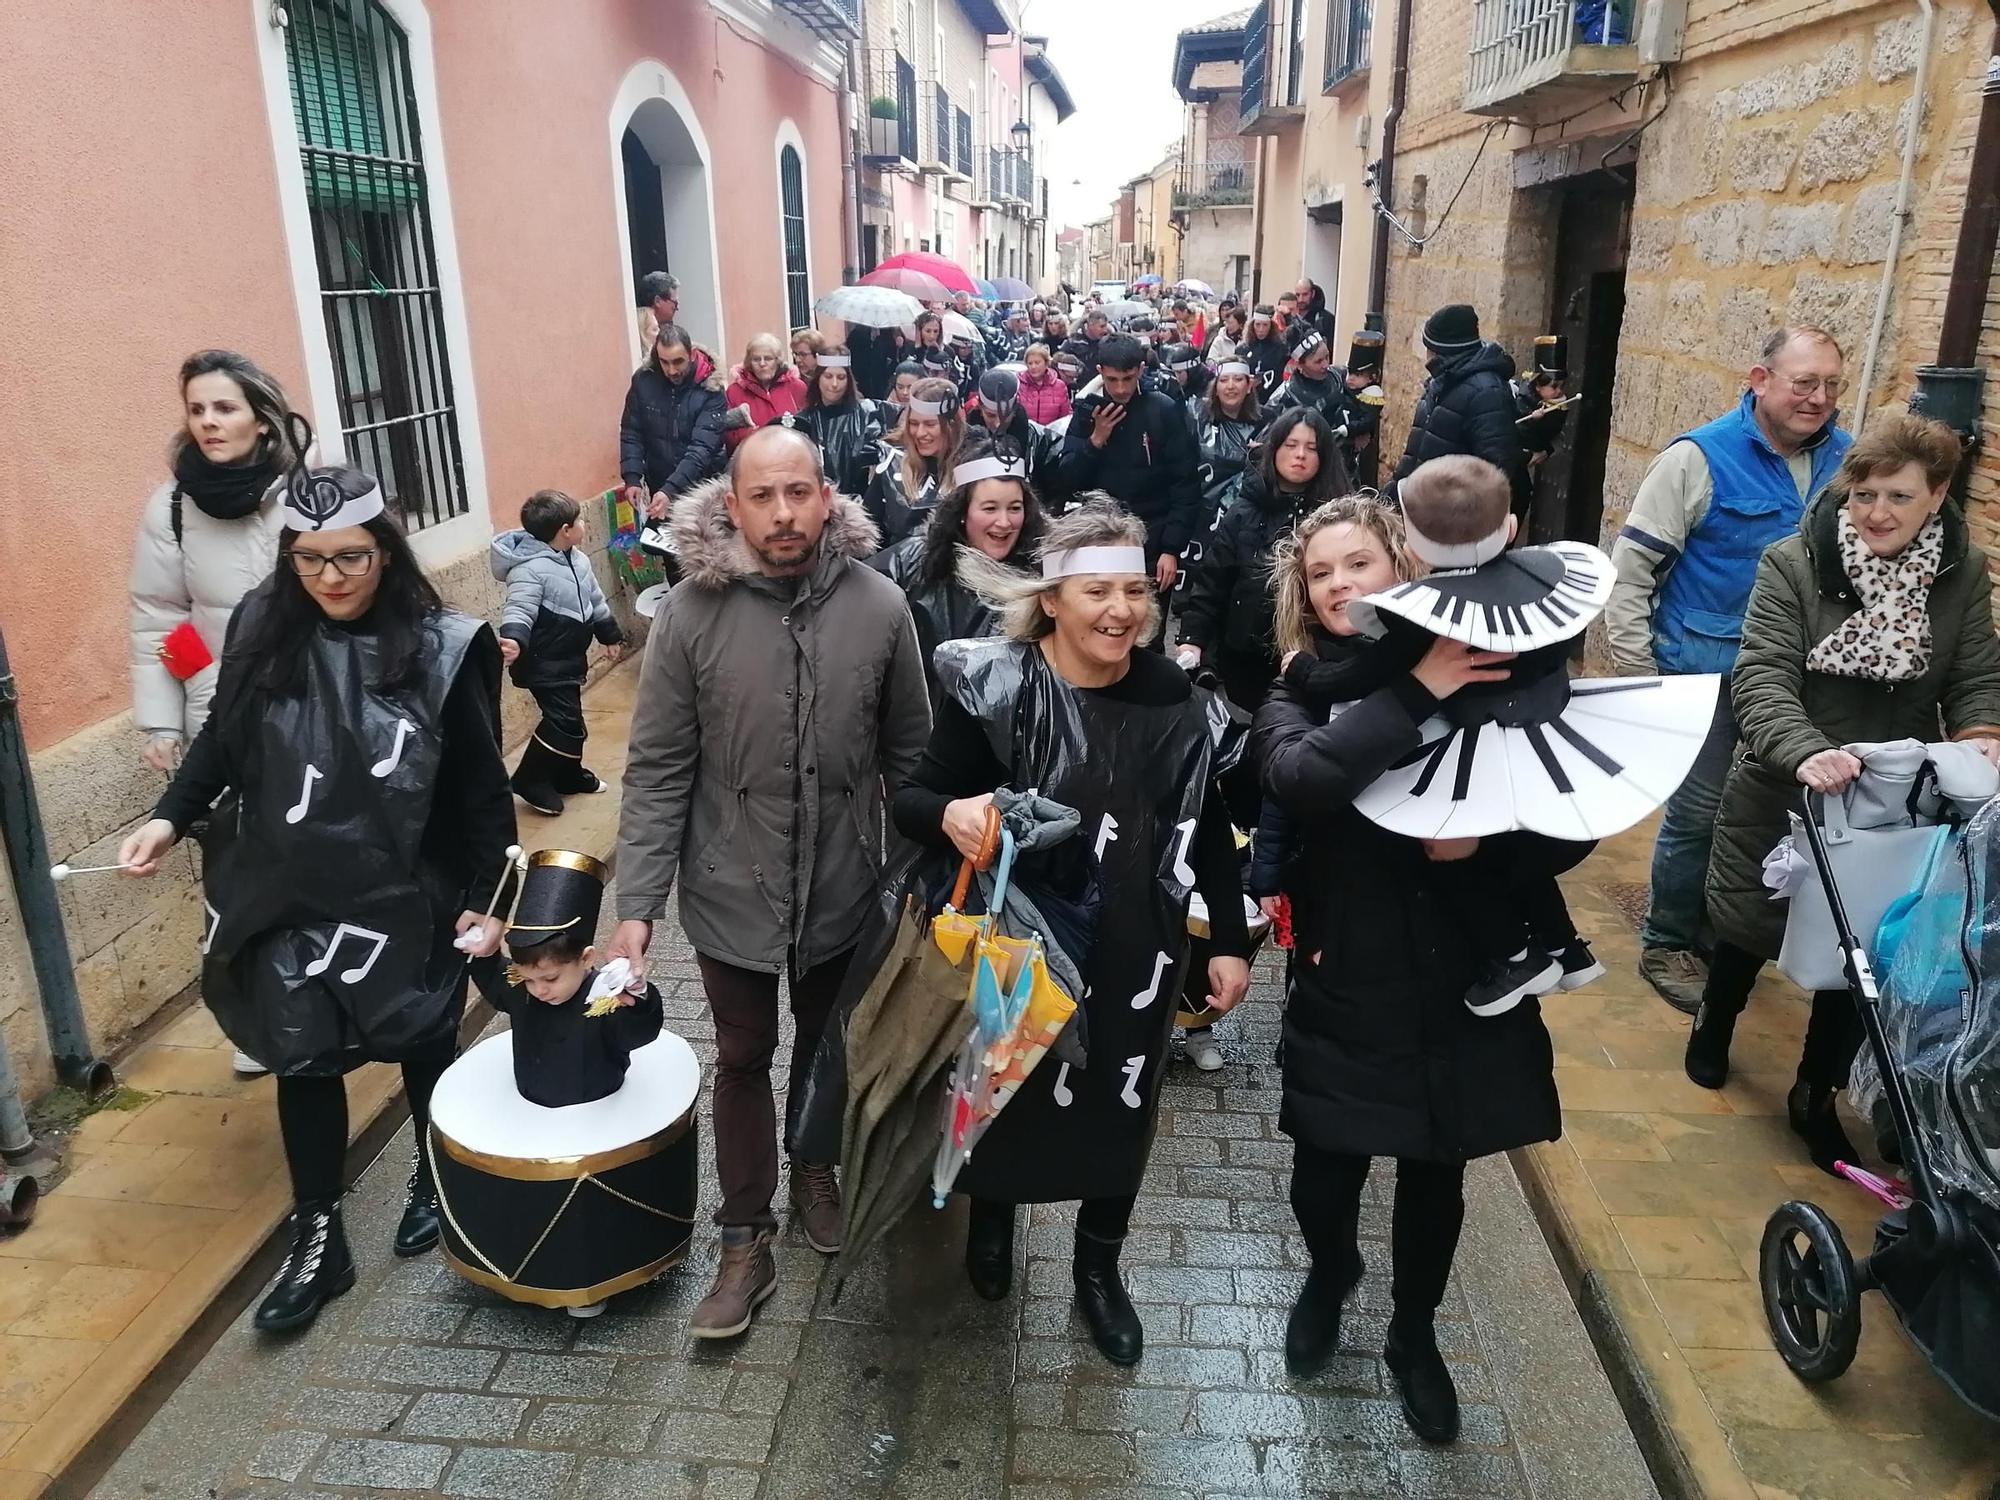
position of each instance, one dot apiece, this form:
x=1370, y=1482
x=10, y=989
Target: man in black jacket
x=1139, y=448
x=1096, y=328
x=1468, y=403
x=670, y=436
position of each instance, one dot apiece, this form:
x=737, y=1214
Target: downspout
x=1899, y=216
x=1385, y=170
x=35, y=894
x=850, y=165
x=1257, y=193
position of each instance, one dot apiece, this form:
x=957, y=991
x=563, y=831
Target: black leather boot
x=1100, y=1292
x=316, y=1269
x=418, y=1230
x=1707, y=1058
x=1430, y=1400
x=989, y=1249
x=1312, y=1332
x=1810, y=1108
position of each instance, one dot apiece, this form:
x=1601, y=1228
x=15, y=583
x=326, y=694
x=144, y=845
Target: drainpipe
x=1952, y=389
x=850, y=165
x=1900, y=216
x=20, y=1189
x=35, y=893
x=1385, y=171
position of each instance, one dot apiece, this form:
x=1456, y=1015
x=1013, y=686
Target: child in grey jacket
x=554, y=609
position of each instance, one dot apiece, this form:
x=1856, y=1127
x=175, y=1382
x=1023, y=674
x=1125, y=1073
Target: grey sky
x=1117, y=57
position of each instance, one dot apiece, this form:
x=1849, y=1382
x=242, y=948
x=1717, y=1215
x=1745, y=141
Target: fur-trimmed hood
x=712, y=551
x=707, y=370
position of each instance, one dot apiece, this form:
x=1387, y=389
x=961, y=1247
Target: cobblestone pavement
x=908, y=1385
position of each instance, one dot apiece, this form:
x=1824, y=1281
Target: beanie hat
x=1451, y=329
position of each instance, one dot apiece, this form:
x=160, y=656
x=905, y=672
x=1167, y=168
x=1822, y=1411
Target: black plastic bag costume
x=1137, y=775
x=329, y=933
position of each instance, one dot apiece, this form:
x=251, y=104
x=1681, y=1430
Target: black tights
x=312, y=1118
x=1423, y=1238
x=1833, y=1030
x=1099, y=1218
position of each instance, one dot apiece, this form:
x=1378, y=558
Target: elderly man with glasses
x=1686, y=558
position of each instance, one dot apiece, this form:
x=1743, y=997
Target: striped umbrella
x=869, y=306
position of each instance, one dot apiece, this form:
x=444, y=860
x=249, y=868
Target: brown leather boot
x=746, y=1276
x=815, y=1193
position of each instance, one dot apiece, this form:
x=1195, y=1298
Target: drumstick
x=509, y=861
x=63, y=872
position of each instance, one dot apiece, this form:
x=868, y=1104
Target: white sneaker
x=1202, y=1050
x=247, y=1066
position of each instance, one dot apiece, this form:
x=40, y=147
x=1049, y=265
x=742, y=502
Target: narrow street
x=908, y=1385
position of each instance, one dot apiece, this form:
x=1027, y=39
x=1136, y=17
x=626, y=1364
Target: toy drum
x=1194, y=1009
x=565, y=1207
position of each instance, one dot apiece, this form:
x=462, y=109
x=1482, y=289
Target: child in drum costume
x=560, y=1182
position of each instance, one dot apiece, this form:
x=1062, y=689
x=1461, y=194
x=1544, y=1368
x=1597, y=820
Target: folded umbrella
x=869, y=306
x=919, y=284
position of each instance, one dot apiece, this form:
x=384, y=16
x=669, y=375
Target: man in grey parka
x=782, y=693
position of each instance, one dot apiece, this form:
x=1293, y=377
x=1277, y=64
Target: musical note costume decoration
x=1579, y=759
x=1137, y=771
x=329, y=941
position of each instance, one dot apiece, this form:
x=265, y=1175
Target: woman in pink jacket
x=1043, y=395
x=765, y=389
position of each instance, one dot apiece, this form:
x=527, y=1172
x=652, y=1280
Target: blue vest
x=1698, y=614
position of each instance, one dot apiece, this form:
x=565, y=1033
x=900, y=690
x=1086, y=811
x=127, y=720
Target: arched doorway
x=666, y=203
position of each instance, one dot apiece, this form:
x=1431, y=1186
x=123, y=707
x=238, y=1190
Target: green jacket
x=1787, y=714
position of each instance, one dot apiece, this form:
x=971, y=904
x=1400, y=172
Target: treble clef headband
x=327, y=499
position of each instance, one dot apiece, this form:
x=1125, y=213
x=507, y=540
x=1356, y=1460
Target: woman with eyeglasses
x=365, y=830
x=206, y=538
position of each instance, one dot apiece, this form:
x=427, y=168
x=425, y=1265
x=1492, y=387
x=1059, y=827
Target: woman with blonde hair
x=764, y=390
x=917, y=460
x=1065, y=706
x=1382, y=1057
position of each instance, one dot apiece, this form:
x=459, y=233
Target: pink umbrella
x=952, y=275
x=919, y=284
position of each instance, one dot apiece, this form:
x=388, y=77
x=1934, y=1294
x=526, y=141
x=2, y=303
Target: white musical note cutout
x=389, y=762
x=1134, y=1066
x=1151, y=992
x=1107, y=833
x=214, y=925
x=297, y=812
x=1183, y=871
x=1218, y=720
x=340, y=934
x=1062, y=1090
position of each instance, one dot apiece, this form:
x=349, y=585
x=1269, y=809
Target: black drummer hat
x=562, y=893
x=1365, y=350
x=1551, y=356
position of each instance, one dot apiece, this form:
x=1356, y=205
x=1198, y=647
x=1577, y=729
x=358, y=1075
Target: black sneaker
x=1579, y=965
x=1503, y=984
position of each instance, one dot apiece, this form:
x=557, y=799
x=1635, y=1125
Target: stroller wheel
x=1810, y=1296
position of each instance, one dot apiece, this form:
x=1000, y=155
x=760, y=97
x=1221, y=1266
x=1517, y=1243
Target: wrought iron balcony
x=892, y=138
x=1273, y=64
x=1212, y=184
x=835, y=20
x=1533, y=60
x=944, y=147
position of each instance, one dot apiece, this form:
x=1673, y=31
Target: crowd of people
x=918, y=573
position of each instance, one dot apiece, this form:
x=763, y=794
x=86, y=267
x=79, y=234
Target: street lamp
x=1022, y=132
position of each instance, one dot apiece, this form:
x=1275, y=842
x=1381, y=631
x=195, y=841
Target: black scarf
x=227, y=492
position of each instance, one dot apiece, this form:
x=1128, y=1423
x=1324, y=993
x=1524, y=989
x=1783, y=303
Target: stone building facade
x=1665, y=216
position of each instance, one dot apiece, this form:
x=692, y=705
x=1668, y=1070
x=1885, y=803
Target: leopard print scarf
x=1887, y=639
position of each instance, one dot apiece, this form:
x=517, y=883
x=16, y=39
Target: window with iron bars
x=1350, y=24
x=792, y=191
x=354, y=99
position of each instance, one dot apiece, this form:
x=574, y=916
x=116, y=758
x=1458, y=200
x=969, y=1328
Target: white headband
x=1454, y=555
x=1232, y=367
x=1310, y=340
x=992, y=466
x=836, y=361
x=1080, y=560
x=931, y=408
x=314, y=501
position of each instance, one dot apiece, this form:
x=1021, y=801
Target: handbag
x=1879, y=835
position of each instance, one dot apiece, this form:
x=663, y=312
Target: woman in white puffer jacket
x=206, y=538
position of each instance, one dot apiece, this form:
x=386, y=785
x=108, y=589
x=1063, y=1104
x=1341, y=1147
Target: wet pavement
x=907, y=1384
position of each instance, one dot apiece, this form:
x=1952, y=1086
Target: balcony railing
x=1273, y=62
x=832, y=19
x=945, y=146
x=1350, y=28
x=892, y=141
x=1212, y=184
x=1533, y=58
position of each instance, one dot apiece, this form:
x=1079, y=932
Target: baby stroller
x=1933, y=1042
